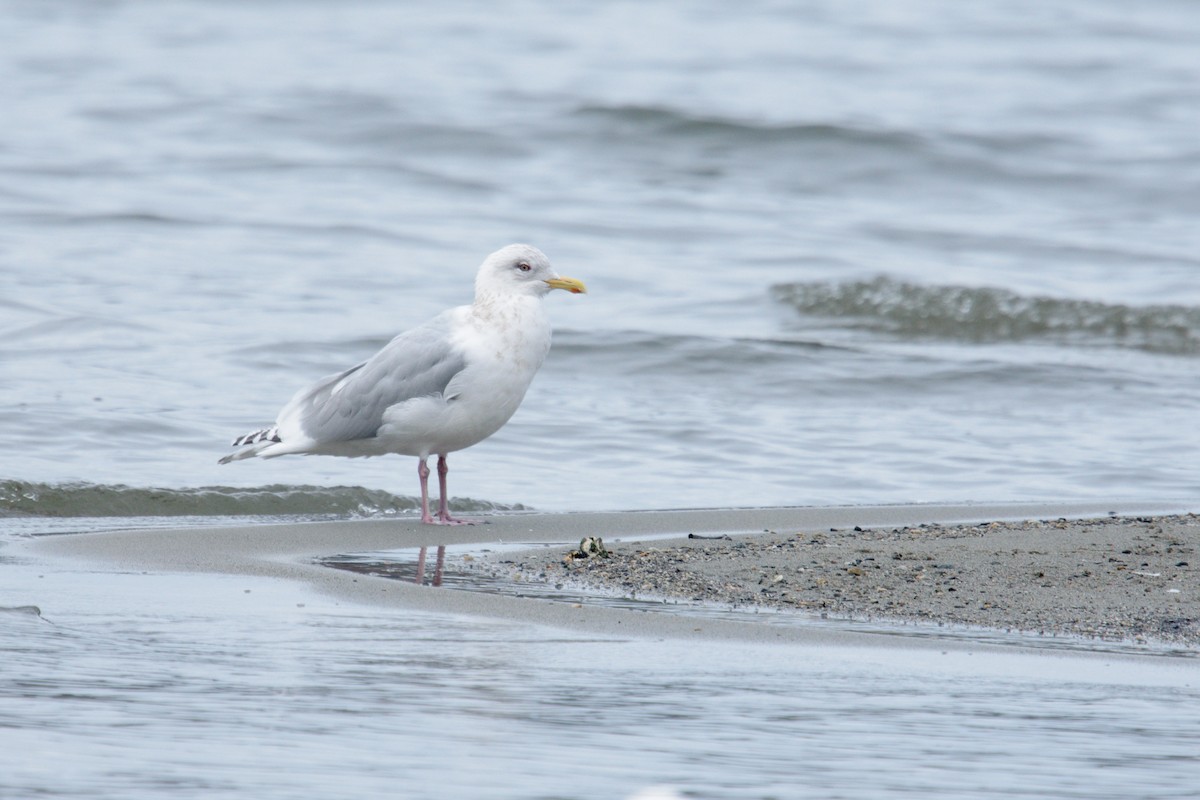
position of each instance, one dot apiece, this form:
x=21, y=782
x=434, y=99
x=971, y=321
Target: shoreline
x=939, y=564
x=1111, y=578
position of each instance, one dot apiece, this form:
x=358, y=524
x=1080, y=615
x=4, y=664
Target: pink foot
x=443, y=517
x=447, y=520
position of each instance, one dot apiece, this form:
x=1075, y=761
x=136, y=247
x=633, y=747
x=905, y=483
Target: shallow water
x=138, y=685
x=836, y=255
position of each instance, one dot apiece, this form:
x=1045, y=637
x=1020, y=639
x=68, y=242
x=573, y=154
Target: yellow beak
x=570, y=284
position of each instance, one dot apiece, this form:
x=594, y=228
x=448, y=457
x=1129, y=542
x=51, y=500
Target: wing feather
x=350, y=405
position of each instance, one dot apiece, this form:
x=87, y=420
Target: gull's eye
x=524, y=267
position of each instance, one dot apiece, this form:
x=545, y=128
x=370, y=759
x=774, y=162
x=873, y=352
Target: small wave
x=661, y=120
x=105, y=218
x=994, y=315
x=29, y=499
x=24, y=611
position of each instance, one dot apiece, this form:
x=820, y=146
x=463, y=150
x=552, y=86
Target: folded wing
x=350, y=405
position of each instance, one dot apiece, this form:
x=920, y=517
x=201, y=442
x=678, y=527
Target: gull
x=433, y=390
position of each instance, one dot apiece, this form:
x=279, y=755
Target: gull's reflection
x=437, y=569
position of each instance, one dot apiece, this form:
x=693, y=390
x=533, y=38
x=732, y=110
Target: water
x=894, y=253
x=136, y=686
x=870, y=255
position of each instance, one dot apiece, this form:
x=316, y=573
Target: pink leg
x=423, y=474
x=443, y=508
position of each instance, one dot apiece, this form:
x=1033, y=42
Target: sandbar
x=1110, y=578
x=1089, y=569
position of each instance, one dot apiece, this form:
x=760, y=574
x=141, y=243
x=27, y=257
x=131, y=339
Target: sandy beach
x=1113, y=578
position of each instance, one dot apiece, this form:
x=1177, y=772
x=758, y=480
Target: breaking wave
x=28, y=499
x=983, y=315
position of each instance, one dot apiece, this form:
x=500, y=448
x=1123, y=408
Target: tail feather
x=253, y=443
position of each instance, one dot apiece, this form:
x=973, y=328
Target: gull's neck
x=504, y=307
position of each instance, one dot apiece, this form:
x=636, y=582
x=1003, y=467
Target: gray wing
x=349, y=405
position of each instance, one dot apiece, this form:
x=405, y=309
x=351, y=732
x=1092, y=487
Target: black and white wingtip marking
x=263, y=439
x=265, y=435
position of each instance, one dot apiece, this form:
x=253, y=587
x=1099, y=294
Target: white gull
x=435, y=389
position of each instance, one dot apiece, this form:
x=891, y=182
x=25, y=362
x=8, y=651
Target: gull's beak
x=570, y=284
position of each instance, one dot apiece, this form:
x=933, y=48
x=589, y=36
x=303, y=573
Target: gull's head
x=521, y=269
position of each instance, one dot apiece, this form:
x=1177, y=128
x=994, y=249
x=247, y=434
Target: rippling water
x=837, y=255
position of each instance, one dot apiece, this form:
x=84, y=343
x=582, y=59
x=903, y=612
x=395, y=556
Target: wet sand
x=1113, y=578
x=1133, y=577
